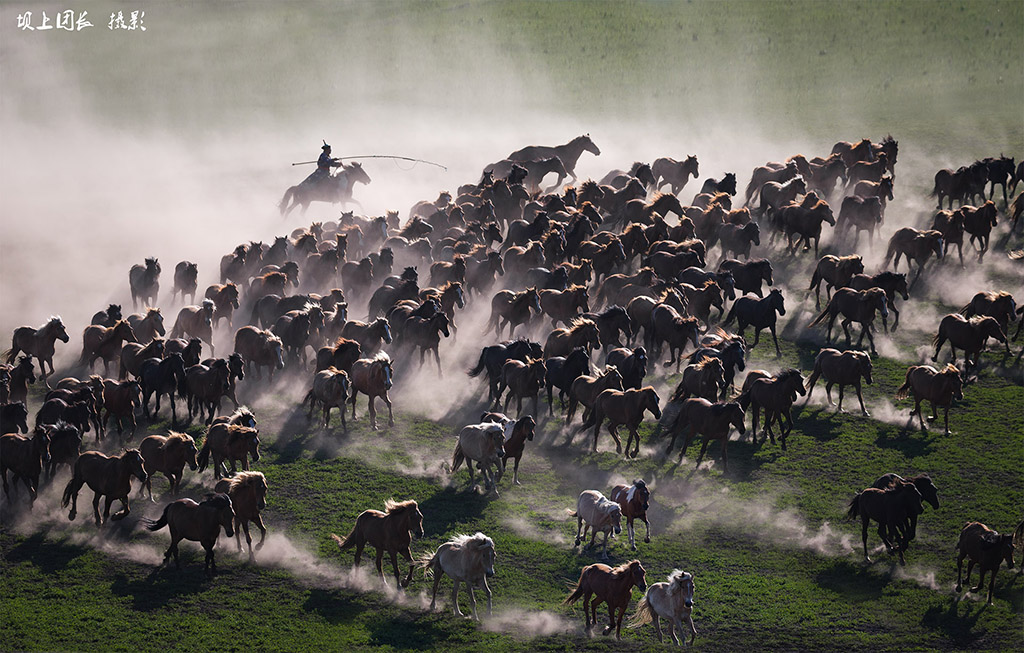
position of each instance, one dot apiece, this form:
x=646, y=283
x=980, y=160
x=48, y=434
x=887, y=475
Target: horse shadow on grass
x=334, y=606
x=50, y=557
x=451, y=507
x=957, y=621
x=908, y=440
x=163, y=585
x=298, y=434
x=402, y=631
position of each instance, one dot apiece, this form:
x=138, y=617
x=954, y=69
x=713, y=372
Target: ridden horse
x=483, y=444
x=200, y=522
x=391, y=531
x=523, y=379
x=248, y=493
x=733, y=359
x=109, y=317
x=758, y=313
x=425, y=333
x=581, y=333
x=38, y=343
x=185, y=274
x=701, y=379
x=892, y=509
x=225, y=301
x=106, y=475
x=145, y=282
x=335, y=189
x=672, y=601
x=860, y=214
x=748, y=275
x=562, y=371
x=230, y=442
x=196, y=322
x=260, y=348
x=999, y=305
x=104, y=343
x=836, y=272
x=167, y=455
x=916, y=245
x=805, y=222
x=938, y=387
x=465, y=559
x=595, y=512
x=330, y=389
x=162, y=376
x=892, y=283
x=147, y=326
x=855, y=306
x=986, y=548
x=373, y=377
x=667, y=170
x=563, y=306
x=969, y=334
x=776, y=395
x=26, y=458
x=120, y=400
x=711, y=420
x=842, y=368
x=493, y=357
x=623, y=408
x=604, y=584
x=513, y=309
x=585, y=390
x=569, y=154
x=204, y=387
x=634, y=502
x=667, y=326
x=979, y=222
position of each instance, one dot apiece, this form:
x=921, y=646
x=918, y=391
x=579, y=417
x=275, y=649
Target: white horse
x=466, y=559
x=594, y=510
x=484, y=444
x=671, y=601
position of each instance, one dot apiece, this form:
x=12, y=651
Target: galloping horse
x=634, y=501
x=855, y=306
x=969, y=335
x=711, y=420
x=167, y=455
x=200, y=522
x=145, y=282
x=986, y=548
x=676, y=173
x=891, y=509
x=614, y=586
x=38, y=343
x=466, y=559
x=334, y=189
x=110, y=476
x=569, y=154
x=758, y=313
x=513, y=309
x=248, y=492
x=483, y=444
x=842, y=368
x=595, y=512
x=373, y=377
x=105, y=343
x=940, y=388
x=389, y=531
x=672, y=601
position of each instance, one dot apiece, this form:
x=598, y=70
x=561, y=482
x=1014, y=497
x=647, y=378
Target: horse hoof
x=647, y=540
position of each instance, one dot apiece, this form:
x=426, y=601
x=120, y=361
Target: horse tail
x=204, y=455
x=904, y=390
x=479, y=366
x=458, y=457
x=426, y=562
x=821, y=318
x=8, y=355
x=729, y=318
x=889, y=253
x=644, y=614
x=938, y=336
x=73, y=486
x=744, y=400
x=283, y=204
x=851, y=514
x=349, y=541
x=813, y=379
x=307, y=399
x=815, y=280
x=577, y=593
x=160, y=523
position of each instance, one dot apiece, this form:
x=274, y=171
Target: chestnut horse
x=105, y=343
x=623, y=407
x=105, y=475
x=842, y=368
x=855, y=306
x=604, y=584
x=167, y=455
x=389, y=531
x=634, y=501
x=248, y=492
x=940, y=388
x=229, y=442
x=969, y=335
x=986, y=548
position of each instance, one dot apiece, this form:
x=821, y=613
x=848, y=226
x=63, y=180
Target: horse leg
x=394, y=565
x=487, y=590
x=378, y=562
x=613, y=428
x=634, y=434
x=96, y=508
x=248, y=540
x=840, y=406
x=657, y=628
x=703, y=448
x=472, y=600
x=920, y=415
x=579, y=530
x=373, y=413
x=864, y=521
x=455, y=598
x=515, y=473
x=946, y=414
x=618, y=623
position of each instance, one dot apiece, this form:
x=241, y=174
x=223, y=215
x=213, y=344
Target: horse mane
x=273, y=275
x=624, y=567
x=393, y=507
x=614, y=309
x=150, y=311
x=217, y=500
x=176, y=438
x=477, y=540
x=238, y=431
x=381, y=356
x=976, y=320
x=705, y=361
x=240, y=413
x=52, y=323
x=676, y=579
x=579, y=323
x=207, y=305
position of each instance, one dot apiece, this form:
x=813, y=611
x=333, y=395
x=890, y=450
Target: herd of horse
x=618, y=283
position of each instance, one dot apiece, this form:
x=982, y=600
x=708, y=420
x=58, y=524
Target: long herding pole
x=378, y=156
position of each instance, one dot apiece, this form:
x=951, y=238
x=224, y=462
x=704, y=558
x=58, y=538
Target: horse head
x=638, y=574
x=56, y=326
x=588, y=145
x=135, y=464
x=776, y=301
x=26, y=368
x=651, y=401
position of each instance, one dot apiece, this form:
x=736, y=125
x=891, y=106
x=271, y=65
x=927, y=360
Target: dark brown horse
x=133, y=353
x=891, y=509
x=200, y=522
x=259, y=348
x=758, y=313
x=851, y=153
x=668, y=327
x=842, y=369
x=916, y=245
x=390, y=531
x=373, y=377
x=855, y=306
x=585, y=390
x=979, y=222
x=702, y=379
x=940, y=388
x=968, y=334
x=185, y=274
x=951, y=225
x=523, y=380
x=204, y=387
x=700, y=300
x=106, y=476
x=225, y=301
x=121, y=400
x=145, y=282
x=860, y=214
x=712, y=420
x=248, y=492
x=999, y=305
x=748, y=275
x=611, y=586
x=776, y=395
x=517, y=433
x=623, y=408
x=229, y=442
x=26, y=458
x=635, y=501
x=893, y=283
x=986, y=548
x=836, y=272
x=667, y=170
x=513, y=309
x=582, y=332
x=20, y=376
x=564, y=305
x=38, y=343
x=147, y=326
x=330, y=390
x=805, y=222
x=168, y=455
x=342, y=354
x=569, y=154
x=65, y=446
x=105, y=343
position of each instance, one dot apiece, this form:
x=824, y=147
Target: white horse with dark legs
x=466, y=559
x=595, y=511
x=484, y=445
x=671, y=601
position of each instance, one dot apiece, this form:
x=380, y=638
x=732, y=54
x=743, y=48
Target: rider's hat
x=325, y=146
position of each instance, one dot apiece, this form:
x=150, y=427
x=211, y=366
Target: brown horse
x=859, y=214
x=260, y=348
x=167, y=455
x=711, y=420
x=200, y=522
x=133, y=353
x=105, y=343
x=851, y=153
x=999, y=305
x=581, y=333
x=836, y=272
x=702, y=379
x=513, y=309
x=147, y=326
x=373, y=377
x=65, y=446
x=892, y=283
x=425, y=334
x=916, y=245
x=634, y=501
x=604, y=584
x=121, y=400
x=185, y=274
x=229, y=442
x=20, y=376
x=106, y=476
x=391, y=531
x=341, y=355
x=842, y=368
x=248, y=492
x=758, y=313
x=564, y=305
x=517, y=432
x=892, y=509
x=623, y=407
x=144, y=282
x=585, y=390
x=197, y=322
x=748, y=275
x=951, y=225
x=969, y=335
x=225, y=301
x=523, y=380
x=204, y=387
x=26, y=458
x=675, y=173
x=940, y=388
x=776, y=395
x=38, y=343
x=855, y=306
x=668, y=327
x=986, y=548
x=330, y=389
x=979, y=222
x=700, y=299
x=805, y=222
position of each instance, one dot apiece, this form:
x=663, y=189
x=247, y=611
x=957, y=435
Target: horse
x=563, y=306
x=517, y=432
x=733, y=359
x=748, y=275
x=162, y=376
x=672, y=601
x=65, y=446
x=604, y=584
x=585, y=390
x=569, y=154
x=667, y=170
x=513, y=309
x=21, y=375
x=667, y=326
x=978, y=222
x=892, y=283
x=891, y=508
x=824, y=174
x=776, y=395
x=14, y=417
x=336, y=189
x=758, y=313
x=465, y=559
x=623, y=407
x=701, y=379
x=855, y=306
x=229, y=442
x=133, y=353
x=391, y=531
x=851, y=153
x=493, y=358
x=727, y=184
x=805, y=222
x=775, y=195
x=836, y=272
x=425, y=334
x=120, y=400
x=764, y=174
x=144, y=282
x=916, y=245
x=105, y=343
x=596, y=512
x=924, y=485
x=480, y=273
x=860, y=214
x=631, y=365
x=373, y=377
x=190, y=349
x=605, y=258
x=484, y=444
x=610, y=323
x=225, y=301
x=248, y=494
x=639, y=211
x=107, y=317
x=938, y=387
x=523, y=379
x=167, y=455
x=26, y=458
x=842, y=368
x=634, y=501
x=869, y=170
x=260, y=348
x=969, y=334
x=561, y=371
x=998, y=305
x=581, y=333
x=986, y=548
x=185, y=274
x=109, y=476
x=700, y=299
x=200, y=522
x=293, y=328
x=204, y=387
x=738, y=239
x=330, y=389
x=78, y=409
x=713, y=420
x=147, y=326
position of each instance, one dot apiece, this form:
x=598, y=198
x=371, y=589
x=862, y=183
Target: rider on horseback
x=323, y=166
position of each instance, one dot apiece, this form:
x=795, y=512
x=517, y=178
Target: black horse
x=165, y=376
x=632, y=365
x=493, y=358
x=562, y=371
